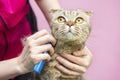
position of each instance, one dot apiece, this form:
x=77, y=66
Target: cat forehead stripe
x=70, y=12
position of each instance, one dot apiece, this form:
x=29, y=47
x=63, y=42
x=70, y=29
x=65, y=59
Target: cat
x=71, y=28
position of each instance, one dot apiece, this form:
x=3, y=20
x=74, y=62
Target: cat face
x=70, y=25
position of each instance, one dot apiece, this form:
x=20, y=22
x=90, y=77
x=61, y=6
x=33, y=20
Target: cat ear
x=89, y=13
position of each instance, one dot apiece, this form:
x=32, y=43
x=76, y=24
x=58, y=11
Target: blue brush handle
x=39, y=66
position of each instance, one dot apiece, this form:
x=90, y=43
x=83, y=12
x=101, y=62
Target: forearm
x=9, y=69
x=46, y=5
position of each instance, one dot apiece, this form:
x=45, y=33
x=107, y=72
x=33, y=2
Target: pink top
x=13, y=27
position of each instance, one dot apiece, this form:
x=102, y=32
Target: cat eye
x=61, y=19
x=79, y=20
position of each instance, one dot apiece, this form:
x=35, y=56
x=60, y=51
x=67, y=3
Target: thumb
x=79, y=53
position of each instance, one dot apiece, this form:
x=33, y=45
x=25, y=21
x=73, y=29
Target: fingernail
x=58, y=66
x=59, y=58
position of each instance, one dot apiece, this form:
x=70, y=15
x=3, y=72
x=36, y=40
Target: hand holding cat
x=74, y=65
x=33, y=48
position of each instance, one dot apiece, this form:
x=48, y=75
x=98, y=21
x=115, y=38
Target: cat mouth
x=69, y=30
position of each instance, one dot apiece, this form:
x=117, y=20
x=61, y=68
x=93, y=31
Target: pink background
x=104, y=39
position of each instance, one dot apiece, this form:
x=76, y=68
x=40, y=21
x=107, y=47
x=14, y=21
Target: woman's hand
x=34, y=46
x=74, y=65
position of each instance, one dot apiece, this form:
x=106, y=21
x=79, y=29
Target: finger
x=44, y=39
x=77, y=60
x=88, y=57
x=38, y=57
x=70, y=65
x=42, y=49
x=85, y=51
x=79, y=53
x=38, y=34
x=66, y=71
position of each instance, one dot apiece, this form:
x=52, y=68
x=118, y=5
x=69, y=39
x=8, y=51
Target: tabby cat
x=71, y=28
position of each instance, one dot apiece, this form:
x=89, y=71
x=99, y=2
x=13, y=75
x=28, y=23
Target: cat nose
x=70, y=23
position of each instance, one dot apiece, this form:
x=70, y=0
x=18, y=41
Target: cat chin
x=68, y=38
